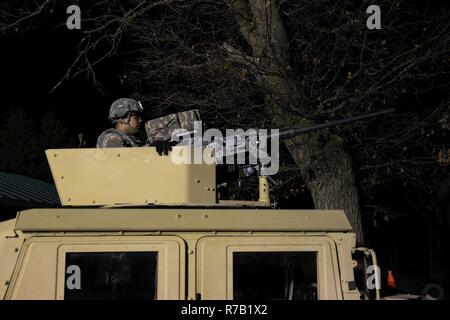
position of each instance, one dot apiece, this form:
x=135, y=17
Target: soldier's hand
x=163, y=147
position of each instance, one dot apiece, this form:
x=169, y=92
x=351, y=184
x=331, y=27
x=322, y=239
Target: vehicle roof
x=161, y=219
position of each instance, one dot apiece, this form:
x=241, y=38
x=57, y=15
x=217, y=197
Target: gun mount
x=140, y=177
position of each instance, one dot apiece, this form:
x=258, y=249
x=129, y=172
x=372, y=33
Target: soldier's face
x=129, y=125
x=135, y=123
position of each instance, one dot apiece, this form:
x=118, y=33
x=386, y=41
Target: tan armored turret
x=128, y=176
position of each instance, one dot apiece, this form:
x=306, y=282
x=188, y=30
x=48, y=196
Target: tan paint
x=109, y=176
x=40, y=272
x=264, y=194
x=195, y=243
x=10, y=245
x=215, y=270
x=195, y=262
x=200, y=219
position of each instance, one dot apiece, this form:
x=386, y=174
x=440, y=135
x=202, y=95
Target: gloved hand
x=163, y=147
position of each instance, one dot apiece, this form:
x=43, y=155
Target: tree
x=18, y=144
x=301, y=62
x=23, y=142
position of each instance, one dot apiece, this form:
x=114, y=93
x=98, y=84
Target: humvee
x=133, y=225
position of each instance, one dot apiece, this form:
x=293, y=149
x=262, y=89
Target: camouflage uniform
x=113, y=138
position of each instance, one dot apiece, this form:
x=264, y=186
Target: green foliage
x=23, y=141
x=19, y=144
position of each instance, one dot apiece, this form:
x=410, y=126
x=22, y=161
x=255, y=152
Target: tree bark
x=328, y=173
x=323, y=162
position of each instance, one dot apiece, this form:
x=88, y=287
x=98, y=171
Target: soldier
x=126, y=114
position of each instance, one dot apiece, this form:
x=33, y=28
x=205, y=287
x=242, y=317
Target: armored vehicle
x=134, y=225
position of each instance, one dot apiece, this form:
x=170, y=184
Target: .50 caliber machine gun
x=250, y=148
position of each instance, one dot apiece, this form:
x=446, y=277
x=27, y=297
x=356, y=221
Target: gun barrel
x=291, y=132
x=288, y=133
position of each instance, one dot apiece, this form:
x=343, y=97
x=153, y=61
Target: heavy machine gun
x=249, y=148
x=187, y=126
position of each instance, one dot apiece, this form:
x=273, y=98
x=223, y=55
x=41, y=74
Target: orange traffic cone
x=391, y=280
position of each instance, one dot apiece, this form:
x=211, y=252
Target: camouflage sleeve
x=110, y=140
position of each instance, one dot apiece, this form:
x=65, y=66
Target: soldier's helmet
x=121, y=107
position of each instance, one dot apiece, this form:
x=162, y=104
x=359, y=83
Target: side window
x=111, y=275
x=275, y=275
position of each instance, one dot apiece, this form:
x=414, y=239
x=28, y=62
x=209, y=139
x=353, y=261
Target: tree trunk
x=328, y=173
x=323, y=162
